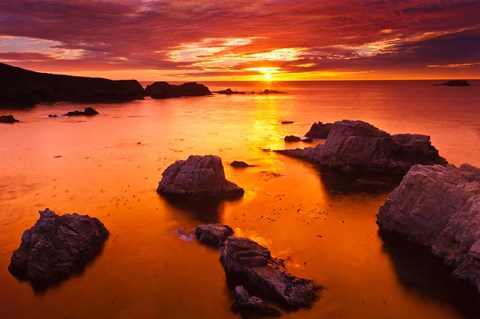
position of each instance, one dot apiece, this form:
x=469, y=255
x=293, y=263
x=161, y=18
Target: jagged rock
x=439, y=207
x=8, y=119
x=57, y=246
x=240, y=164
x=89, y=111
x=292, y=138
x=229, y=92
x=20, y=87
x=359, y=147
x=197, y=177
x=252, y=265
x=454, y=83
x=163, y=90
x=251, y=307
x=319, y=130
x=213, y=234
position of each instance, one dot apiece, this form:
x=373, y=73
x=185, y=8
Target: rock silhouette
x=163, y=90
x=89, y=111
x=8, y=119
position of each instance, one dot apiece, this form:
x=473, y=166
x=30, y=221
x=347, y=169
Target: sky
x=244, y=39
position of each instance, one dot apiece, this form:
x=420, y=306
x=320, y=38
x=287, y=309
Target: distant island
x=454, y=83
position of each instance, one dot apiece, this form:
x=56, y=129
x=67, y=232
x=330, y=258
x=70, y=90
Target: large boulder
x=319, y=130
x=198, y=177
x=8, y=119
x=57, y=246
x=439, y=207
x=163, y=90
x=359, y=147
x=213, y=234
x=251, y=265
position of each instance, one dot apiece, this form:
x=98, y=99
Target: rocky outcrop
x=20, y=87
x=439, y=207
x=89, y=111
x=251, y=265
x=240, y=164
x=319, y=130
x=163, y=90
x=57, y=246
x=359, y=147
x=198, y=177
x=251, y=307
x=213, y=234
x=8, y=119
x=229, y=92
x=291, y=138
x=454, y=83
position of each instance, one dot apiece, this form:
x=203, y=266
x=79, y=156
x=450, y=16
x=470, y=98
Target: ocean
x=109, y=166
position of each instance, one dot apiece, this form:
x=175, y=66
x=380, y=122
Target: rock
x=229, y=92
x=287, y=122
x=52, y=115
x=8, y=119
x=454, y=83
x=268, y=91
x=251, y=306
x=56, y=247
x=319, y=130
x=20, y=87
x=292, y=138
x=163, y=90
x=252, y=266
x=213, y=234
x=356, y=147
x=89, y=111
x=197, y=177
x=240, y=164
x=439, y=207
x=307, y=140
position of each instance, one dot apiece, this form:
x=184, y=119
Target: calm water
x=109, y=166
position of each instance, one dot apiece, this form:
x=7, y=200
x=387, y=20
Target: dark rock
x=8, y=119
x=251, y=307
x=251, y=265
x=52, y=115
x=197, y=177
x=307, y=140
x=229, y=92
x=163, y=90
x=56, y=247
x=20, y=87
x=439, y=207
x=268, y=91
x=319, y=130
x=287, y=122
x=240, y=164
x=292, y=138
x=213, y=234
x=358, y=147
x=89, y=111
x=454, y=83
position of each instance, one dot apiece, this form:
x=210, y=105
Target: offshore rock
x=240, y=164
x=213, y=234
x=198, y=177
x=89, y=111
x=251, y=306
x=163, y=90
x=292, y=138
x=454, y=83
x=56, y=247
x=359, y=147
x=229, y=92
x=319, y=130
x=252, y=266
x=439, y=207
x=8, y=119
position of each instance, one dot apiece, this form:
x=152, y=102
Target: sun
x=268, y=76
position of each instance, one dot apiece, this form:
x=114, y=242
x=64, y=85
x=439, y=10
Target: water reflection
x=342, y=184
x=202, y=209
x=418, y=271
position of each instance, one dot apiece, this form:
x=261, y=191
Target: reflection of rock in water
x=418, y=270
x=202, y=209
x=340, y=184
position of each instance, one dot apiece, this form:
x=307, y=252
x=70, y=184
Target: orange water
x=109, y=166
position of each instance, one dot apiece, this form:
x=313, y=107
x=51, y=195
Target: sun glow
x=268, y=77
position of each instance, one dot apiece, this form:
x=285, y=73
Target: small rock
x=292, y=138
x=307, y=140
x=287, y=122
x=89, y=111
x=8, y=119
x=239, y=164
x=213, y=234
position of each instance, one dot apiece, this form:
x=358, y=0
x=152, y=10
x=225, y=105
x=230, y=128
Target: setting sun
x=268, y=76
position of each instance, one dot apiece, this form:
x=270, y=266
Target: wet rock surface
x=163, y=90
x=319, y=130
x=359, y=147
x=439, y=207
x=56, y=247
x=251, y=265
x=198, y=177
x=213, y=234
x=89, y=111
x=251, y=307
x=8, y=119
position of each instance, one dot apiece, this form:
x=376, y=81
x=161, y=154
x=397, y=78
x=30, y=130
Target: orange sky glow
x=244, y=40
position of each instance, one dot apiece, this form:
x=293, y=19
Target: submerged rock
x=240, y=164
x=251, y=306
x=319, y=130
x=252, y=265
x=163, y=90
x=213, y=234
x=359, y=147
x=292, y=138
x=8, y=119
x=57, y=246
x=439, y=207
x=454, y=83
x=89, y=111
x=197, y=177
